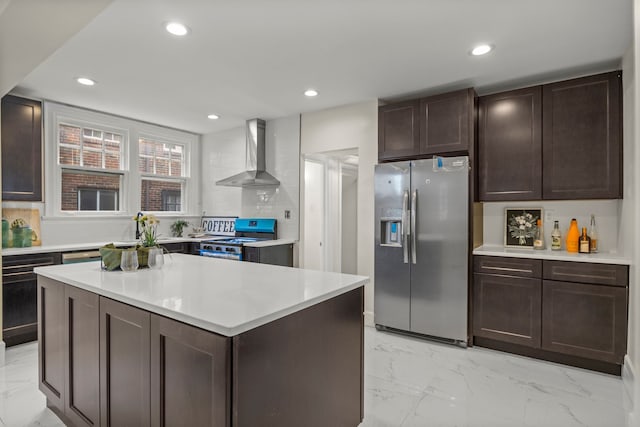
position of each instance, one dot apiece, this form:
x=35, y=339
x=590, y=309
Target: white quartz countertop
x=601, y=257
x=223, y=296
x=93, y=245
x=264, y=243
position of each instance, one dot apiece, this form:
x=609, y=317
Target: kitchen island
x=206, y=342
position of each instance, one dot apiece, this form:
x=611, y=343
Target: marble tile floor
x=412, y=382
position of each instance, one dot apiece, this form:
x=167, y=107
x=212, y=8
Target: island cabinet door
x=51, y=349
x=124, y=364
x=190, y=375
x=82, y=404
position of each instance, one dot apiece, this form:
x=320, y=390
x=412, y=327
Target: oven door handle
x=222, y=255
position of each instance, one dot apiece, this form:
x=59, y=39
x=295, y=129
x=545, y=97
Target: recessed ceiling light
x=311, y=92
x=213, y=116
x=85, y=81
x=176, y=28
x=481, y=49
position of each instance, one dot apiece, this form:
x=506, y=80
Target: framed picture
x=520, y=226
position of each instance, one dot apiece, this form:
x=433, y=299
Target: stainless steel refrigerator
x=422, y=244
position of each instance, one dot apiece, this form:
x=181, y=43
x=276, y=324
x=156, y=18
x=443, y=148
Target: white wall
x=346, y=127
x=223, y=155
x=631, y=100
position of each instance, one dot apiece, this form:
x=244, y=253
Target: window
x=91, y=168
x=89, y=148
x=171, y=200
x=77, y=183
x=161, y=166
x=103, y=165
x=97, y=199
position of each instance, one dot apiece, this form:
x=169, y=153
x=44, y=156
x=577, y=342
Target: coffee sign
x=220, y=226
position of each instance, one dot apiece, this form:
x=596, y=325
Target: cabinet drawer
x=19, y=268
x=584, y=272
x=520, y=267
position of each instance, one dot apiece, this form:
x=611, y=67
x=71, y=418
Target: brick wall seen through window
x=73, y=181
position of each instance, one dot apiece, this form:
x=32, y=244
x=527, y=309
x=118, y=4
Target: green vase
x=22, y=237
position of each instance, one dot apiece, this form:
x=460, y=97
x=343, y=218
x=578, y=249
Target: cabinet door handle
x=507, y=269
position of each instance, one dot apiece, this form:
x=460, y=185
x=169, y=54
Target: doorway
x=330, y=224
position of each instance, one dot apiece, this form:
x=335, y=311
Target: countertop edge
x=267, y=243
x=225, y=330
x=88, y=246
x=547, y=254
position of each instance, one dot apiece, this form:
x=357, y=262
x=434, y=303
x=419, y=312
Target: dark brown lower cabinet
x=507, y=308
x=19, y=296
x=82, y=345
x=51, y=346
x=585, y=320
x=190, y=375
x=124, y=368
x=580, y=321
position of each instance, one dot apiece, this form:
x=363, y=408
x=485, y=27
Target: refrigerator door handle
x=405, y=231
x=414, y=206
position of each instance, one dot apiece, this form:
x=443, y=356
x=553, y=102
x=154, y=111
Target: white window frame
x=131, y=179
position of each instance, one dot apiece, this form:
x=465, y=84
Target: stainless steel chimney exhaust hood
x=255, y=175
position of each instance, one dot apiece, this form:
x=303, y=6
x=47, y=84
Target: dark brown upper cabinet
x=21, y=149
x=398, y=130
x=582, y=149
x=439, y=124
x=510, y=145
x=560, y=141
x=447, y=122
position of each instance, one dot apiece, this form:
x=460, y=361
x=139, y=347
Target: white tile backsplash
x=607, y=213
x=224, y=155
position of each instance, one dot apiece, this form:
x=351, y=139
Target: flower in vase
x=148, y=230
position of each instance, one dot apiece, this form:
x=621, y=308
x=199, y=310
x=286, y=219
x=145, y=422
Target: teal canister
x=5, y=233
x=22, y=237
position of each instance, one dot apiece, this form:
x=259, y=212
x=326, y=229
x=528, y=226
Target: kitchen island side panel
x=303, y=369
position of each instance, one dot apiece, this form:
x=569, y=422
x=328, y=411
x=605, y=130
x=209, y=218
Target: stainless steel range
x=247, y=230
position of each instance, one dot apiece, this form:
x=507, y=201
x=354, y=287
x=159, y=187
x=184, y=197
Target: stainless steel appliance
x=247, y=230
x=422, y=247
x=256, y=174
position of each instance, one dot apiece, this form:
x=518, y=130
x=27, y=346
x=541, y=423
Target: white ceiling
x=254, y=58
x=27, y=37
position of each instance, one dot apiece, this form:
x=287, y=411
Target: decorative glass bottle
x=593, y=234
x=538, y=240
x=573, y=235
x=556, y=237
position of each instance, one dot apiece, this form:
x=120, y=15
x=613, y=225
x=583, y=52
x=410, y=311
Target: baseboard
x=631, y=392
x=368, y=318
